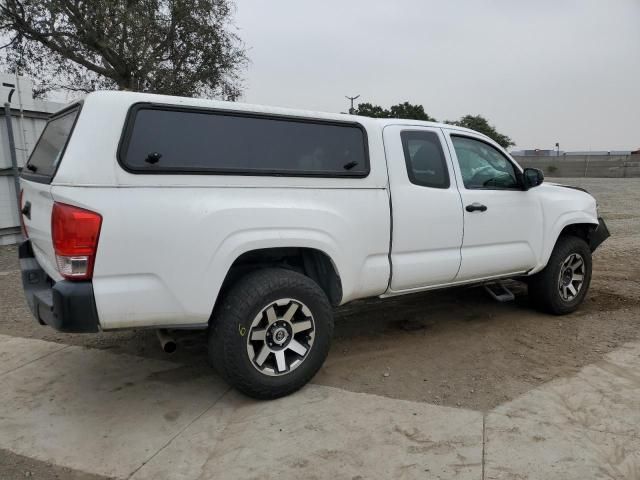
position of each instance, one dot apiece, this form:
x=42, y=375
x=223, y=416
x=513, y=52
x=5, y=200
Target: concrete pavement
x=129, y=417
x=586, y=426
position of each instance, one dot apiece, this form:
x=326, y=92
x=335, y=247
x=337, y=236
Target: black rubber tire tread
x=543, y=290
x=234, y=314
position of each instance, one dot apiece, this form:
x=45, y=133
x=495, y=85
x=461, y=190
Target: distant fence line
x=607, y=166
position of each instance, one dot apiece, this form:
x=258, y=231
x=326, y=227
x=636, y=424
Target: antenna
x=351, y=109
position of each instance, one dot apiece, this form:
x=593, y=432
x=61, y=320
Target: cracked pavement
x=123, y=416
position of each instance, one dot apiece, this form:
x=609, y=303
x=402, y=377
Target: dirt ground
x=457, y=347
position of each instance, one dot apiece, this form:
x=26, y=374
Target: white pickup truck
x=148, y=211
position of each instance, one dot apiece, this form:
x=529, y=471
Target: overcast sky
x=541, y=71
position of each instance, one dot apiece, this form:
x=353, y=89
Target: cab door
x=426, y=208
x=503, y=224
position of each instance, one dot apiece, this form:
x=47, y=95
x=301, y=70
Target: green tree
x=482, y=125
x=176, y=47
x=410, y=112
x=402, y=110
x=416, y=112
x=369, y=110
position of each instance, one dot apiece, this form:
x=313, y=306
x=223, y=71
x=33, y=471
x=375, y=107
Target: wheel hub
x=278, y=334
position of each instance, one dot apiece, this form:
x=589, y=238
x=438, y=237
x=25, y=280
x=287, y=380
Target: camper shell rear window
x=167, y=139
x=49, y=150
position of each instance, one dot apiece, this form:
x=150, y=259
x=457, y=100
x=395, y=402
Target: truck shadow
x=423, y=311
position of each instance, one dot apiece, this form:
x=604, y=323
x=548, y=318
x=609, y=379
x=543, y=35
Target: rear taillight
x=75, y=233
x=20, y=206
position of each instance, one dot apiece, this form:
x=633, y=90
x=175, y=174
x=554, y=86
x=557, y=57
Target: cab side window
x=426, y=165
x=483, y=166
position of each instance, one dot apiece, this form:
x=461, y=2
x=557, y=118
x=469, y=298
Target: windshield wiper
x=32, y=168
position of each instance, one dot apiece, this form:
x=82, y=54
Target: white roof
x=135, y=97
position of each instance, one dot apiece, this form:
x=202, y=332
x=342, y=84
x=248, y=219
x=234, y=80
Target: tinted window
x=483, y=166
x=202, y=141
x=425, y=160
x=46, y=155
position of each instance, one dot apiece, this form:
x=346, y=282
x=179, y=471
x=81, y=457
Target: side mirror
x=532, y=177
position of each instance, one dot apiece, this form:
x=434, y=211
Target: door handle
x=476, y=206
x=26, y=210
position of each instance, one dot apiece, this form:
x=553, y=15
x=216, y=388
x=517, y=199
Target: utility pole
x=12, y=145
x=351, y=109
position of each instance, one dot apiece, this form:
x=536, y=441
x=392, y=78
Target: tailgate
x=37, y=204
x=35, y=182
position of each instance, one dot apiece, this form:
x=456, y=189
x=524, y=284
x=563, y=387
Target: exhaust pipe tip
x=169, y=347
x=167, y=342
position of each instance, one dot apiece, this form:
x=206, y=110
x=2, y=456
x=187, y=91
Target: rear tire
x=271, y=333
x=562, y=285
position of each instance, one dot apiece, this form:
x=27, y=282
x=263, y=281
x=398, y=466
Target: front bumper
x=599, y=235
x=64, y=305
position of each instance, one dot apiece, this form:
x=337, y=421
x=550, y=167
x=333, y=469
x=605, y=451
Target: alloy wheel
x=280, y=337
x=571, y=277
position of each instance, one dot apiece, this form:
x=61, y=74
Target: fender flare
x=576, y=217
x=247, y=240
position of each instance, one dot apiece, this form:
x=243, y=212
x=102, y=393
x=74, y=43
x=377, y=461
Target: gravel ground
x=14, y=467
x=455, y=347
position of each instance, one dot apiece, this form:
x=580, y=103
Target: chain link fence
x=605, y=166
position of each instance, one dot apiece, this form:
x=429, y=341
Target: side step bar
x=499, y=291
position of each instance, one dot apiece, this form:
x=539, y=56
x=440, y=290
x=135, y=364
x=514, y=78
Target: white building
x=28, y=119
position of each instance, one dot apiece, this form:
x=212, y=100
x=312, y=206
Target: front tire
x=562, y=285
x=271, y=333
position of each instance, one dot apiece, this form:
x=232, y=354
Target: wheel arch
x=314, y=263
x=577, y=224
x=580, y=230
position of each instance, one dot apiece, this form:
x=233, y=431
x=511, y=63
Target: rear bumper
x=64, y=305
x=599, y=235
